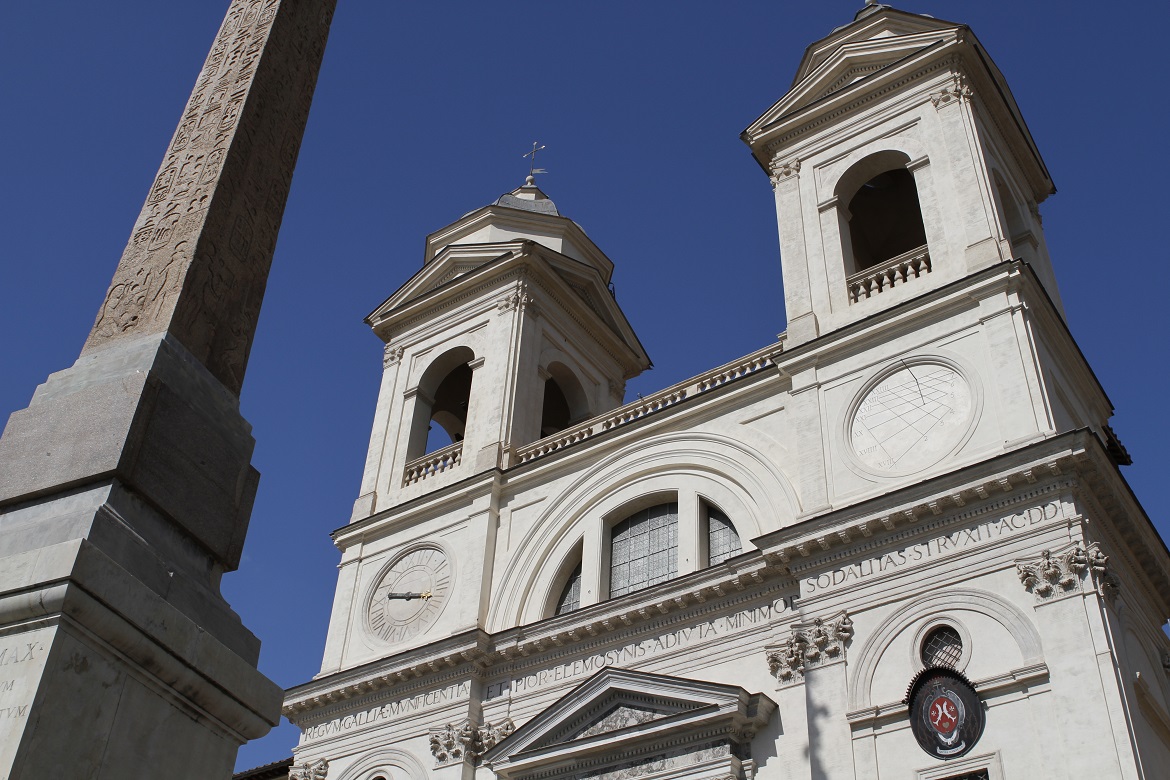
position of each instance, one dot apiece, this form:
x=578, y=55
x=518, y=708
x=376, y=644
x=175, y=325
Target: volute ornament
x=782, y=170
x=957, y=92
x=391, y=355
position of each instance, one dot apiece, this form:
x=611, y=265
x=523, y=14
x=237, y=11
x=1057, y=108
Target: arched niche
x=998, y=635
x=388, y=763
x=1016, y=227
x=442, y=398
x=880, y=211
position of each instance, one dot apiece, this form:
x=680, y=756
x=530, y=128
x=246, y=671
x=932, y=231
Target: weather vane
x=532, y=169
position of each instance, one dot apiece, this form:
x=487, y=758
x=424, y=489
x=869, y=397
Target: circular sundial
x=914, y=416
x=410, y=594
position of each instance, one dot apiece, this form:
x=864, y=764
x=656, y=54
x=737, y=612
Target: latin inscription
x=388, y=711
x=945, y=544
x=622, y=656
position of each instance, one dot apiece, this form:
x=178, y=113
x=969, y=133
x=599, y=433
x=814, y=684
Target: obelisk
x=126, y=485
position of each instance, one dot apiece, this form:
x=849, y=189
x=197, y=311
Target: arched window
x=881, y=217
x=555, y=414
x=570, y=598
x=1016, y=228
x=441, y=403
x=885, y=219
x=449, y=412
x=680, y=533
x=565, y=402
x=722, y=539
x=644, y=549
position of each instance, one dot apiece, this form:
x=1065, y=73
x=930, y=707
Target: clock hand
x=426, y=594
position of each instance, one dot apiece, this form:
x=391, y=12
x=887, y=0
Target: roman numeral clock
x=409, y=595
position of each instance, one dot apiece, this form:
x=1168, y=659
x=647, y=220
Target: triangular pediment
x=854, y=54
x=616, y=710
x=619, y=712
x=880, y=23
x=458, y=268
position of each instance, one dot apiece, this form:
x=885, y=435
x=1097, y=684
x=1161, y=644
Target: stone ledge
x=76, y=582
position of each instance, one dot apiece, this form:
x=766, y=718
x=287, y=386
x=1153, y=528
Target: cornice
x=809, y=117
x=742, y=581
x=988, y=687
x=943, y=500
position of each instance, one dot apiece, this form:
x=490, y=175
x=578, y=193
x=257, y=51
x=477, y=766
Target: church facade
x=894, y=543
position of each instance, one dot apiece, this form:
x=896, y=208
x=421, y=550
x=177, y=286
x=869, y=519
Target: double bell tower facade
x=895, y=542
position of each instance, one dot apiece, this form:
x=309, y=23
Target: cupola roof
x=528, y=197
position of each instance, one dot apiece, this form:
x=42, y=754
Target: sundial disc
x=914, y=416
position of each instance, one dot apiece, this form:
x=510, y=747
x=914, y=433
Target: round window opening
x=942, y=647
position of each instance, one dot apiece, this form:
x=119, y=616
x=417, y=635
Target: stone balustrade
x=896, y=270
x=433, y=463
x=636, y=410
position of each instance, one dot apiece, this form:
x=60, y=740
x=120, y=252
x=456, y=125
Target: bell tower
x=509, y=333
x=900, y=163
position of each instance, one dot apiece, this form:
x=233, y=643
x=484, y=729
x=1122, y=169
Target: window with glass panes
x=571, y=596
x=722, y=540
x=942, y=647
x=644, y=549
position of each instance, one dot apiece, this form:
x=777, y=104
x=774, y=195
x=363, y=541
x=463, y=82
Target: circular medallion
x=911, y=417
x=946, y=715
x=409, y=594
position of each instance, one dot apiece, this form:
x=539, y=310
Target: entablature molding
x=750, y=584
x=864, y=721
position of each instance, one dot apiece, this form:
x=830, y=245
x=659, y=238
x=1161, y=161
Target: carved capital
x=451, y=744
x=520, y=298
x=957, y=92
x=819, y=643
x=780, y=171
x=391, y=355
x=1055, y=573
x=310, y=770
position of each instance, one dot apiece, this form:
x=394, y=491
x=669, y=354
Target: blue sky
x=422, y=113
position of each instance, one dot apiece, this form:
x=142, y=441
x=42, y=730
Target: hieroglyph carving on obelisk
x=126, y=485
x=197, y=261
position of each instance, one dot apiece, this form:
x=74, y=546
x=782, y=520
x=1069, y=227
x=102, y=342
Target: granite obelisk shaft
x=126, y=485
x=198, y=258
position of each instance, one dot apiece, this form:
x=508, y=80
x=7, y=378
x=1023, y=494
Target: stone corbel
x=1055, y=573
x=310, y=770
x=819, y=643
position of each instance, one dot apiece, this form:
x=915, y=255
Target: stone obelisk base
x=119, y=658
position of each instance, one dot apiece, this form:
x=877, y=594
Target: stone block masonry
x=126, y=486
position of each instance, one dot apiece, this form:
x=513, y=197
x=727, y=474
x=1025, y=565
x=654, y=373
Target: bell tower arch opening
x=565, y=401
x=883, y=217
x=444, y=394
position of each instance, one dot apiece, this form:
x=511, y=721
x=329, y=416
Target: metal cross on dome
x=532, y=169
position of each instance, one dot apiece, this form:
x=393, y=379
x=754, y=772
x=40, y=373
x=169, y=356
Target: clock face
x=410, y=594
x=916, y=415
